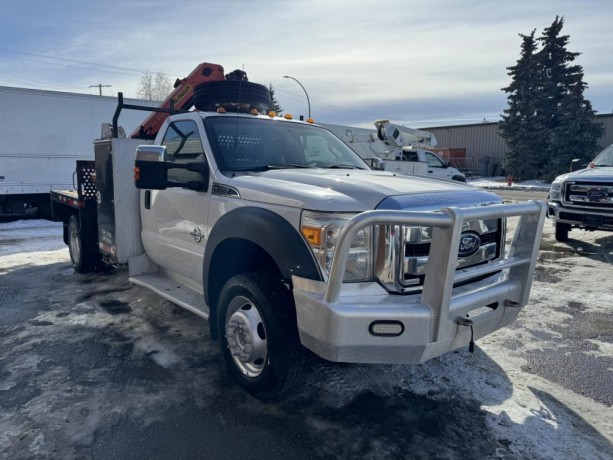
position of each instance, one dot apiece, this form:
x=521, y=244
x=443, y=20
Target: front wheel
x=562, y=232
x=259, y=339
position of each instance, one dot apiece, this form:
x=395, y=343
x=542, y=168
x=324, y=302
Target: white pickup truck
x=283, y=238
x=583, y=199
x=423, y=163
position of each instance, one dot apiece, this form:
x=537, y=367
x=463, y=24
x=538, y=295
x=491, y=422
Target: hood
x=601, y=173
x=350, y=190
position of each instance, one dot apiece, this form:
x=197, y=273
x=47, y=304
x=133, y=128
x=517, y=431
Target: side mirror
x=575, y=165
x=151, y=171
x=375, y=163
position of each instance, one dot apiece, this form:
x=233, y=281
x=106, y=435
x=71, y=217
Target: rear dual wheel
x=82, y=261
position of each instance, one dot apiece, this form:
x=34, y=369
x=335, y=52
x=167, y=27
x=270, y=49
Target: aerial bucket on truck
x=401, y=136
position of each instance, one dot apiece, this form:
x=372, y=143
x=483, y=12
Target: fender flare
x=272, y=233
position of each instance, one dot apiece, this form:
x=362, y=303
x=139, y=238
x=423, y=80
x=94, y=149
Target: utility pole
x=100, y=86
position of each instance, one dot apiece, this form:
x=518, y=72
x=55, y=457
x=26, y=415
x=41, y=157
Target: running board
x=173, y=291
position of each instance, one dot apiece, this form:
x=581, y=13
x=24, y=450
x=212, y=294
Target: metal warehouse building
x=485, y=149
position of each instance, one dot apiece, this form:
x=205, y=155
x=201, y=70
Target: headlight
x=321, y=231
x=555, y=194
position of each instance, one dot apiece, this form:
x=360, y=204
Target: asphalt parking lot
x=92, y=367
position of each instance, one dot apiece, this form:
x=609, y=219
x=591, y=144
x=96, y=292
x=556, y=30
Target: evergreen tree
x=519, y=126
x=572, y=132
x=548, y=122
x=274, y=104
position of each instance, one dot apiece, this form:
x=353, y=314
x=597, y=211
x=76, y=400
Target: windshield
x=605, y=158
x=256, y=144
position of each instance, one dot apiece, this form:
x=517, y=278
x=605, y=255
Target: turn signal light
x=136, y=173
x=313, y=235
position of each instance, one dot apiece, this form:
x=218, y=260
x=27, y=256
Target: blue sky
x=420, y=63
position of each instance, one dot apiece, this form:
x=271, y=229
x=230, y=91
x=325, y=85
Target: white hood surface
x=598, y=174
x=352, y=190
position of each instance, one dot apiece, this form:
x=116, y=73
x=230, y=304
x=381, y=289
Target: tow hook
x=466, y=321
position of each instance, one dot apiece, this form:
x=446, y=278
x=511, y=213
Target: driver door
x=437, y=167
x=175, y=219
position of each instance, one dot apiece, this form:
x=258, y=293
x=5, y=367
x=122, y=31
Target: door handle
x=197, y=234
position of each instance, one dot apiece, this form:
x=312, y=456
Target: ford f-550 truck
x=282, y=237
x=583, y=199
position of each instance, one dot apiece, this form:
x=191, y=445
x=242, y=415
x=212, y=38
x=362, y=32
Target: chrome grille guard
x=520, y=258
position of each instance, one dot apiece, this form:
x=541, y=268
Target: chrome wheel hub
x=246, y=336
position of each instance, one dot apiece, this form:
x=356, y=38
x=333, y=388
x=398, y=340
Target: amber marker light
x=313, y=235
x=288, y=116
x=136, y=173
x=221, y=110
x=272, y=114
x=310, y=120
x=254, y=112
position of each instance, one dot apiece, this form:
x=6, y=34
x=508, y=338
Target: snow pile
x=501, y=183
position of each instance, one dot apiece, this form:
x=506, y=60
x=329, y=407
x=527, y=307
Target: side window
x=410, y=156
x=183, y=144
x=434, y=161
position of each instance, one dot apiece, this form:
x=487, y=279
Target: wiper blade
x=268, y=167
x=603, y=166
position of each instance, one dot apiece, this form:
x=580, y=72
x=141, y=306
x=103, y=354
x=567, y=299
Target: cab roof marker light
x=288, y=116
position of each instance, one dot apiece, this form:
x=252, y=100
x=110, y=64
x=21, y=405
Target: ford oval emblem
x=469, y=244
x=596, y=195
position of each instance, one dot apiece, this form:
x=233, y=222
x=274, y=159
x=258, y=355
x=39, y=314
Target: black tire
x=80, y=261
x=258, y=334
x=231, y=95
x=562, y=232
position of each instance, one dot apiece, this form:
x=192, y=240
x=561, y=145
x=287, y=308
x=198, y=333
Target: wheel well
x=232, y=257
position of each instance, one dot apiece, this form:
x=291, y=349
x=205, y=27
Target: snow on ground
x=501, y=183
x=536, y=405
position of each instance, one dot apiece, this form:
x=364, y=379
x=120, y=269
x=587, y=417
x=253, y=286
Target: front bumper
x=335, y=319
x=583, y=218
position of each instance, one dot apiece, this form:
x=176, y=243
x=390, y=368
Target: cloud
x=353, y=57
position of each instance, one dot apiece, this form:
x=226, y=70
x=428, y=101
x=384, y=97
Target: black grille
x=423, y=249
x=581, y=189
